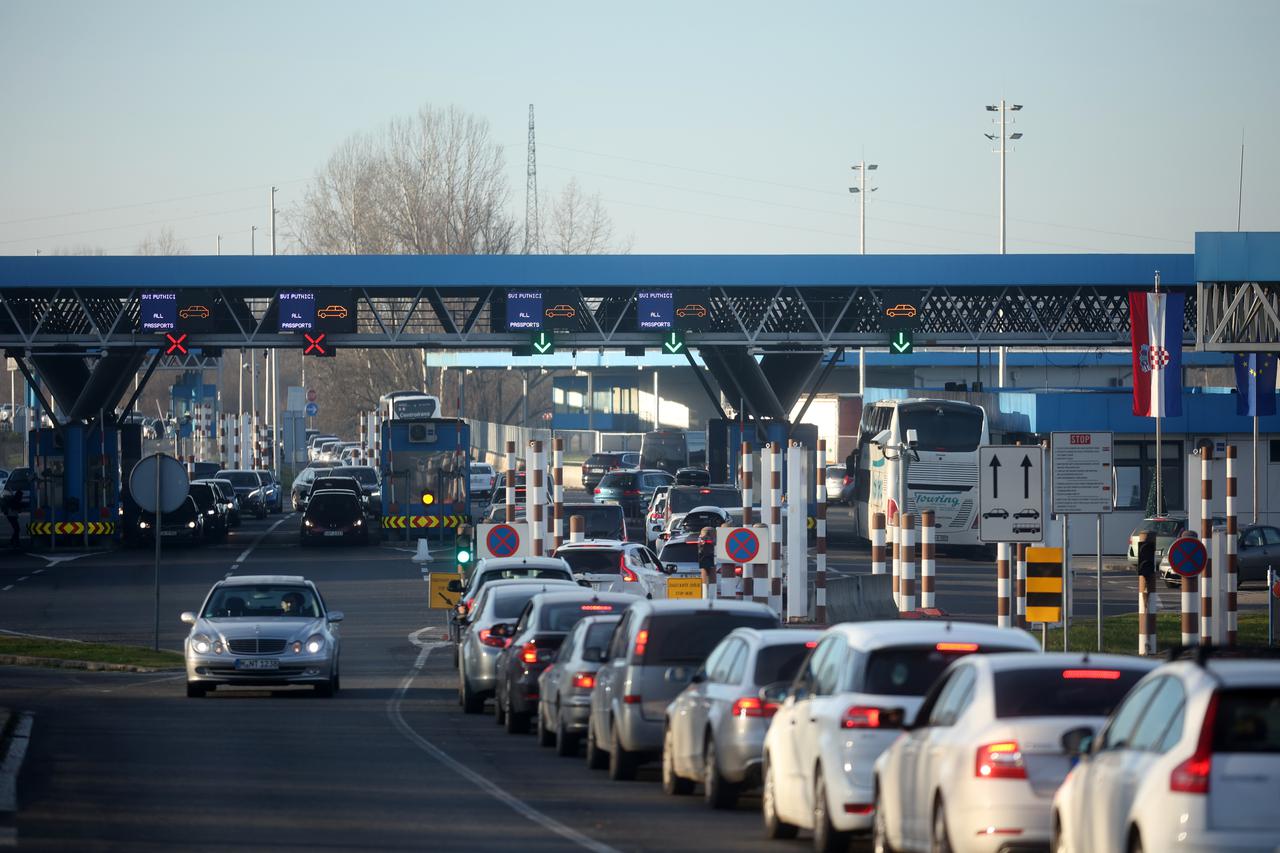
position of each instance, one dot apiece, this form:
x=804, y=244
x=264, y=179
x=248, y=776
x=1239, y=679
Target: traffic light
x=316, y=345
x=463, y=550
x=428, y=497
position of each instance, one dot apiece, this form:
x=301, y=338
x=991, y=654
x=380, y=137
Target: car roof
x=598, y=545
x=254, y=580
x=878, y=634
x=777, y=636
x=585, y=595
x=497, y=563
x=1235, y=672
x=691, y=605
x=691, y=486
x=1083, y=660
x=315, y=493
x=509, y=583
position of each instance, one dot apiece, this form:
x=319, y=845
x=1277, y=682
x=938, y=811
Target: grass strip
x=1120, y=633
x=93, y=652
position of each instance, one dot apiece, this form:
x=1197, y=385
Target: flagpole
x=1159, y=455
x=1255, y=453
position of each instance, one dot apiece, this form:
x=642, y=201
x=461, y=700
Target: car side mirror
x=188, y=617
x=1078, y=742
x=502, y=629
x=454, y=586
x=592, y=654
x=336, y=615
x=698, y=677
x=775, y=693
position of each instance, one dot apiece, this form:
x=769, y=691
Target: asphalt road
x=127, y=762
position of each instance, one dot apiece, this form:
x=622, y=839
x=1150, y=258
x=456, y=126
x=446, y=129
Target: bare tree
x=164, y=243
x=79, y=250
x=580, y=225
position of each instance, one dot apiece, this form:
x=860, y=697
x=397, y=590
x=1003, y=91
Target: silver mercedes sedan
x=263, y=630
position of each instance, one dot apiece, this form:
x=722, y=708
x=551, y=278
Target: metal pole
x=862, y=370
x=155, y=520
x=1159, y=460
x=1066, y=583
x=511, y=482
x=862, y=208
x=1099, y=568
x=1255, y=468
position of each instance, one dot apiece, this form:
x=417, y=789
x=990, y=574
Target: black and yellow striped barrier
x=1044, y=585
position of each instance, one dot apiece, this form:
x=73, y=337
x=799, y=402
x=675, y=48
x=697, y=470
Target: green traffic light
x=464, y=556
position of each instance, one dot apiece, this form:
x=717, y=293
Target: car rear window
x=563, y=616
x=679, y=552
x=330, y=507
x=595, y=561
x=525, y=572
x=240, y=479
x=690, y=637
x=685, y=499
x=1248, y=721
x=507, y=605
x=1161, y=528
x=203, y=495
x=912, y=670
x=598, y=635
x=780, y=663
x=596, y=460
x=600, y=521
x=364, y=476
x=614, y=480
x=1056, y=691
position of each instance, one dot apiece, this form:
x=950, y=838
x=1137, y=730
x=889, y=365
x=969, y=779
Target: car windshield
x=264, y=601
x=331, y=507
x=240, y=479
x=522, y=572
x=910, y=670
x=562, y=616
x=780, y=663
x=203, y=495
x=683, y=500
x=1044, y=691
x=594, y=561
x=616, y=480
x=600, y=521
x=690, y=637
x=363, y=476
x=679, y=552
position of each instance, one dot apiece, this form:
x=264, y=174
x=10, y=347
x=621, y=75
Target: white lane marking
x=144, y=681
x=38, y=572
x=13, y=763
x=263, y=535
x=502, y=796
x=24, y=577
x=60, y=558
x=7, y=588
x=9, y=633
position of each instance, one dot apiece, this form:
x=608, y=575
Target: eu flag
x=1255, y=384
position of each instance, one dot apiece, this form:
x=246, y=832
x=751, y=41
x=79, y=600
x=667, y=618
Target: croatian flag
x=1255, y=384
x=1155, y=329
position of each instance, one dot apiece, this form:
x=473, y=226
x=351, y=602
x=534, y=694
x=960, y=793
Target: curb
x=14, y=754
x=92, y=666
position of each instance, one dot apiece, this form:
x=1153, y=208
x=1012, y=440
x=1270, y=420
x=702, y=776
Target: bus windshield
x=942, y=428
x=664, y=449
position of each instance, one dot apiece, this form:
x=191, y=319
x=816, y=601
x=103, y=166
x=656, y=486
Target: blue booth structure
x=425, y=476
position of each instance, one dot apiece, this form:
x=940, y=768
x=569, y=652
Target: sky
x=705, y=127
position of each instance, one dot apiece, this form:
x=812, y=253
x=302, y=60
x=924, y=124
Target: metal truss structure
x=1238, y=316
x=781, y=317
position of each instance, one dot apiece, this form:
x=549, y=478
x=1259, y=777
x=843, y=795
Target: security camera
x=912, y=438
x=882, y=439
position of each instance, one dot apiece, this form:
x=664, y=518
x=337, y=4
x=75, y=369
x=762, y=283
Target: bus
x=672, y=449
x=943, y=475
x=408, y=405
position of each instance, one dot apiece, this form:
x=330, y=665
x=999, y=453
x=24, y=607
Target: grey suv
x=654, y=652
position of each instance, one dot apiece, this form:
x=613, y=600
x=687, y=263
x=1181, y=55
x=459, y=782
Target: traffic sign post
x=312, y=410
x=1188, y=556
x=1010, y=494
x=507, y=539
x=158, y=484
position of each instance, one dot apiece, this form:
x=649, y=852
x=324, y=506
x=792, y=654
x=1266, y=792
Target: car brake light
x=1100, y=674
x=704, y=491
x=862, y=717
x=597, y=491
x=603, y=608
x=489, y=640
x=529, y=652
x=630, y=493
x=1192, y=775
x=1000, y=761
x=642, y=640
x=628, y=576
x=584, y=680
x=753, y=706
x=812, y=644
x=957, y=647
x=632, y=699
x=847, y=480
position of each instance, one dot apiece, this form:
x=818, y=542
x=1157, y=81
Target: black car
x=535, y=638
x=693, y=477
x=333, y=514
x=185, y=524
x=342, y=484
x=212, y=508
x=19, y=487
x=599, y=464
x=250, y=489
x=600, y=521
x=229, y=499
x=301, y=488
x=367, y=477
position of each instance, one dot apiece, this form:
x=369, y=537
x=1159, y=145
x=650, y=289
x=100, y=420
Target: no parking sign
x=503, y=540
x=1187, y=556
x=742, y=545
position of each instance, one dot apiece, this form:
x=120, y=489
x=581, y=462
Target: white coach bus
x=408, y=405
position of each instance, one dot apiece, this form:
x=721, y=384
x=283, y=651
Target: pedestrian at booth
x=1147, y=557
x=707, y=561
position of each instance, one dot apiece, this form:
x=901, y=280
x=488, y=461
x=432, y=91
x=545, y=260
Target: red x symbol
x=313, y=344
x=176, y=344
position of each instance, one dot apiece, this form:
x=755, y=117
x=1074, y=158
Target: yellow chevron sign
x=71, y=528
x=417, y=522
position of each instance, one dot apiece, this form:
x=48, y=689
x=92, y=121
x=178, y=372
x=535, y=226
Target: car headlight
x=306, y=522
x=208, y=512
x=191, y=524
x=201, y=644
x=359, y=521
x=315, y=643
x=144, y=525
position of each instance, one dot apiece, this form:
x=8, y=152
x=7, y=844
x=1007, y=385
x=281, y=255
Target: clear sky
x=725, y=127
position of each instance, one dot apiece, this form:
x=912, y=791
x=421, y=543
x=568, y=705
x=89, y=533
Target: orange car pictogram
x=334, y=312
x=902, y=309
x=691, y=311
x=194, y=311
x=561, y=311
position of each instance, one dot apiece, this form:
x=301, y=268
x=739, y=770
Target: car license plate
x=168, y=533
x=259, y=663
x=333, y=533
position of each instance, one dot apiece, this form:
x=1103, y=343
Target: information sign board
x=1011, y=494
x=1082, y=473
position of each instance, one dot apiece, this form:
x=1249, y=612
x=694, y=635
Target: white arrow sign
x=1010, y=495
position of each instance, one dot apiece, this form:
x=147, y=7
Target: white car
x=1190, y=761
x=976, y=771
x=613, y=566
x=845, y=707
x=482, y=477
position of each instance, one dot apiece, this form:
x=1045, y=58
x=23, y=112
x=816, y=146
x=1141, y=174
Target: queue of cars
x=913, y=735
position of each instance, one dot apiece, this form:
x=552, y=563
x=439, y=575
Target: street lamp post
x=1002, y=108
x=861, y=191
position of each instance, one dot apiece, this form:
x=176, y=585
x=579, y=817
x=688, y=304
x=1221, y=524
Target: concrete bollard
x=557, y=497
x=1233, y=533
x=1003, y=590
x=1020, y=588
x=907, y=566
x=928, y=599
x=877, y=543
x=820, y=542
x=511, y=482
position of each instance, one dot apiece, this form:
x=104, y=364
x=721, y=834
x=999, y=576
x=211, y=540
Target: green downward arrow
x=673, y=344
x=901, y=343
x=543, y=343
